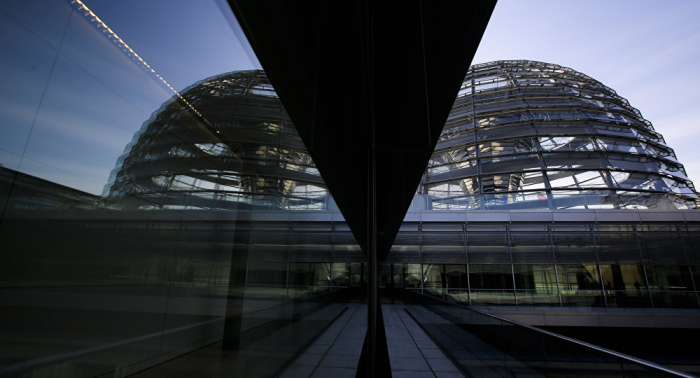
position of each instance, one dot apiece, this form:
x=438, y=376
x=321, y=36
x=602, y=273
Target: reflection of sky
x=648, y=51
x=183, y=40
x=67, y=117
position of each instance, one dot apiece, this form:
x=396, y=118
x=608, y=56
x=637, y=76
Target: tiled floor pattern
x=337, y=351
x=411, y=352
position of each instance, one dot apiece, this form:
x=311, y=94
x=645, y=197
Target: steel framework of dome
x=225, y=143
x=521, y=135
x=533, y=135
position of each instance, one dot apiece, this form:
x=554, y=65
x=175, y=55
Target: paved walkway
x=337, y=351
x=411, y=352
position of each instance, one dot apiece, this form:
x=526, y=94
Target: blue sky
x=647, y=51
x=72, y=100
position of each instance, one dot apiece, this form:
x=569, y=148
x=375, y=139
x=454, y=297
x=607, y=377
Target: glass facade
x=129, y=186
x=562, y=264
x=559, y=264
x=154, y=204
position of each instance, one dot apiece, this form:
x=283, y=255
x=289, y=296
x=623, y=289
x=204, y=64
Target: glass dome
x=225, y=143
x=521, y=135
x=533, y=135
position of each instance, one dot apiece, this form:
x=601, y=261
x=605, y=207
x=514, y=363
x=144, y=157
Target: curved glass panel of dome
x=521, y=135
x=247, y=155
x=533, y=135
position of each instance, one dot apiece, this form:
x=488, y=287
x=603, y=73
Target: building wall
x=568, y=264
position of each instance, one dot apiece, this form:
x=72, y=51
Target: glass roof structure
x=534, y=135
x=245, y=153
x=521, y=135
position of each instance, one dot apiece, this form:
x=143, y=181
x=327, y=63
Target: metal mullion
x=420, y=254
x=510, y=253
x=687, y=261
x=644, y=269
x=554, y=260
x=466, y=255
x=596, y=248
x=545, y=177
x=333, y=256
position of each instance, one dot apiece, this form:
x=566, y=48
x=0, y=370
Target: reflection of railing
x=297, y=306
x=305, y=316
x=567, y=297
x=485, y=345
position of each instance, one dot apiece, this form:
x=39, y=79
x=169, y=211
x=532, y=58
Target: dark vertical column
x=374, y=361
x=392, y=291
x=362, y=275
x=372, y=299
x=372, y=302
x=443, y=279
x=366, y=366
x=236, y=290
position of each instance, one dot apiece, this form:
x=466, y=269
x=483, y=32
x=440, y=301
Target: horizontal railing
x=485, y=345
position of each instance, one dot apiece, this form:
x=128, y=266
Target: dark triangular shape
x=369, y=87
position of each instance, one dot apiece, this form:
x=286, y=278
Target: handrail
x=619, y=355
